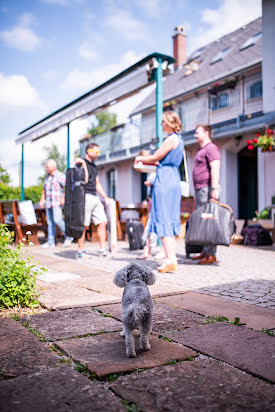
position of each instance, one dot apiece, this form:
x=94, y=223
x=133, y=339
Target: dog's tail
x=137, y=314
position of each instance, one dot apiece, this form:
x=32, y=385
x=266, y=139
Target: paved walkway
x=74, y=359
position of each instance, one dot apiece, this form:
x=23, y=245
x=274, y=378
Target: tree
x=53, y=153
x=4, y=176
x=104, y=121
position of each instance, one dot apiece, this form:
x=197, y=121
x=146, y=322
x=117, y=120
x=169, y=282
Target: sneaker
x=68, y=242
x=102, y=252
x=80, y=254
x=47, y=246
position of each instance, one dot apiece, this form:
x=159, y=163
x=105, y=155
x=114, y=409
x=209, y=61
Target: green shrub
x=31, y=193
x=17, y=274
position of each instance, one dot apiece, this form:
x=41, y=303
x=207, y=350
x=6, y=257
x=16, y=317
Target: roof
x=235, y=60
x=127, y=82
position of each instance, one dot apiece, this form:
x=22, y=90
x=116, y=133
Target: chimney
x=179, y=39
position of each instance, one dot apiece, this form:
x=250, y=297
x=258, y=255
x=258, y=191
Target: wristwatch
x=213, y=188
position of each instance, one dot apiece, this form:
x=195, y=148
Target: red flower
x=270, y=131
x=258, y=134
x=249, y=142
x=255, y=140
x=250, y=147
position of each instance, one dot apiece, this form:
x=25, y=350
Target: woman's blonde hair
x=172, y=120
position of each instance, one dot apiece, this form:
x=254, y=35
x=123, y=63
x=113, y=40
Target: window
x=112, y=183
x=219, y=101
x=251, y=41
x=221, y=54
x=255, y=90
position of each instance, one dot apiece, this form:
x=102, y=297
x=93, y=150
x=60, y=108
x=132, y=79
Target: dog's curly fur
x=137, y=305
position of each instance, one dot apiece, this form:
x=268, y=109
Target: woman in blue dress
x=166, y=196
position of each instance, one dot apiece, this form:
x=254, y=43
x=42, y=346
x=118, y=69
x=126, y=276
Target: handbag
x=211, y=224
x=184, y=185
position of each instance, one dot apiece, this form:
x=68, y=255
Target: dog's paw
x=145, y=346
x=122, y=334
x=131, y=354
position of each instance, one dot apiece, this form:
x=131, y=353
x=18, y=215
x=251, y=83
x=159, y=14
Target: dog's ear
x=120, y=278
x=147, y=275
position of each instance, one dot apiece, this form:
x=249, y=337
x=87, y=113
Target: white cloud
x=124, y=23
x=17, y=93
x=21, y=37
x=81, y=81
x=231, y=15
x=88, y=52
x=150, y=8
x=59, y=2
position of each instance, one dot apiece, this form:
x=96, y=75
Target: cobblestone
x=243, y=274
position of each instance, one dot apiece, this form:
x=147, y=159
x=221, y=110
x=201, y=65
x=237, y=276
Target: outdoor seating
x=10, y=215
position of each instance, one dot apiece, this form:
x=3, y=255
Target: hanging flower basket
x=266, y=141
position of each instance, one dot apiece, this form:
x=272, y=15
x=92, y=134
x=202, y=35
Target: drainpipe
x=22, y=173
x=68, y=145
x=159, y=101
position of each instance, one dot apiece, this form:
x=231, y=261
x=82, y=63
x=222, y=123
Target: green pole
x=22, y=173
x=159, y=102
x=68, y=145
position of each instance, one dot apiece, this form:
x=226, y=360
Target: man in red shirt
x=206, y=175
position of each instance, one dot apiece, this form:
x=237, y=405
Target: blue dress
x=166, y=196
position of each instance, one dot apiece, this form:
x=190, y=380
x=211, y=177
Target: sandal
x=168, y=266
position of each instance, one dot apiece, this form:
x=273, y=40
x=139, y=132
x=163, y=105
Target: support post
x=159, y=102
x=22, y=173
x=68, y=145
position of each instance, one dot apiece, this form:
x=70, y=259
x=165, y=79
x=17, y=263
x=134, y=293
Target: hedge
x=31, y=193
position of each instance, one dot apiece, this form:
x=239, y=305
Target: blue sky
x=52, y=51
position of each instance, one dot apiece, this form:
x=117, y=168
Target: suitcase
x=134, y=230
x=192, y=248
x=74, y=202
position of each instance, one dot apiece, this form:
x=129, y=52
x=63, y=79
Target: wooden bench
x=10, y=207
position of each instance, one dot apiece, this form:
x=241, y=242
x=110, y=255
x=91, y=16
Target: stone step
x=200, y=385
x=255, y=317
x=246, y=349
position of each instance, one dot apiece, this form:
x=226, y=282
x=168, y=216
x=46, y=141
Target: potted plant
x=265, y=142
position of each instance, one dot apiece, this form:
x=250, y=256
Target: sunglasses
x=93, y=151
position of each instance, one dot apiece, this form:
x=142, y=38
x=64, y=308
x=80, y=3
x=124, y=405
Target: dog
x=137, y=305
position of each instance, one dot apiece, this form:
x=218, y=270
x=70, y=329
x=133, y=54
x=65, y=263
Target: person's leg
x=202, y=197
x=80, y=242
x=51, y=226
x=59, y=221
x=169, y=246
x=170, y=263
x=100, y=220
x=101, y=232
x=87, y=221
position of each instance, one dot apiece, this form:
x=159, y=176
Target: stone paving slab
x=249, y=350
x=59, y=390
x=20, y=351
x=200, y=385
x=253, y=316
x=164, y=317
x=53, y=276
x=105, y=354
x=71, y=322
x=68, y=297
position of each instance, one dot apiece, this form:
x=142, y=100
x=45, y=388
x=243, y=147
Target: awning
x=121, y=86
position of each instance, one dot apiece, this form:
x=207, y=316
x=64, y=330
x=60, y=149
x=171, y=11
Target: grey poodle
x=137, y=305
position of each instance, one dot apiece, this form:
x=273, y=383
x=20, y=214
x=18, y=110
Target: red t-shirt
x=201, y=169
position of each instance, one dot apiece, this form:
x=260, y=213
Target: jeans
x=201, y=197
x=54, y=217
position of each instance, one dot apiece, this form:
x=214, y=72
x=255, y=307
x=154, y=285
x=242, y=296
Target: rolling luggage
x=74, y=202
x=191, y=248
x=134, y=230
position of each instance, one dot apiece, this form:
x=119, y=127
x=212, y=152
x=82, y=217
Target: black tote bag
x=211, y=224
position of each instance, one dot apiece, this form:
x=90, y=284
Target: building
x=220, y=84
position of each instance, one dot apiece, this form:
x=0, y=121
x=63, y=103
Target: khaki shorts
x=94, y=210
